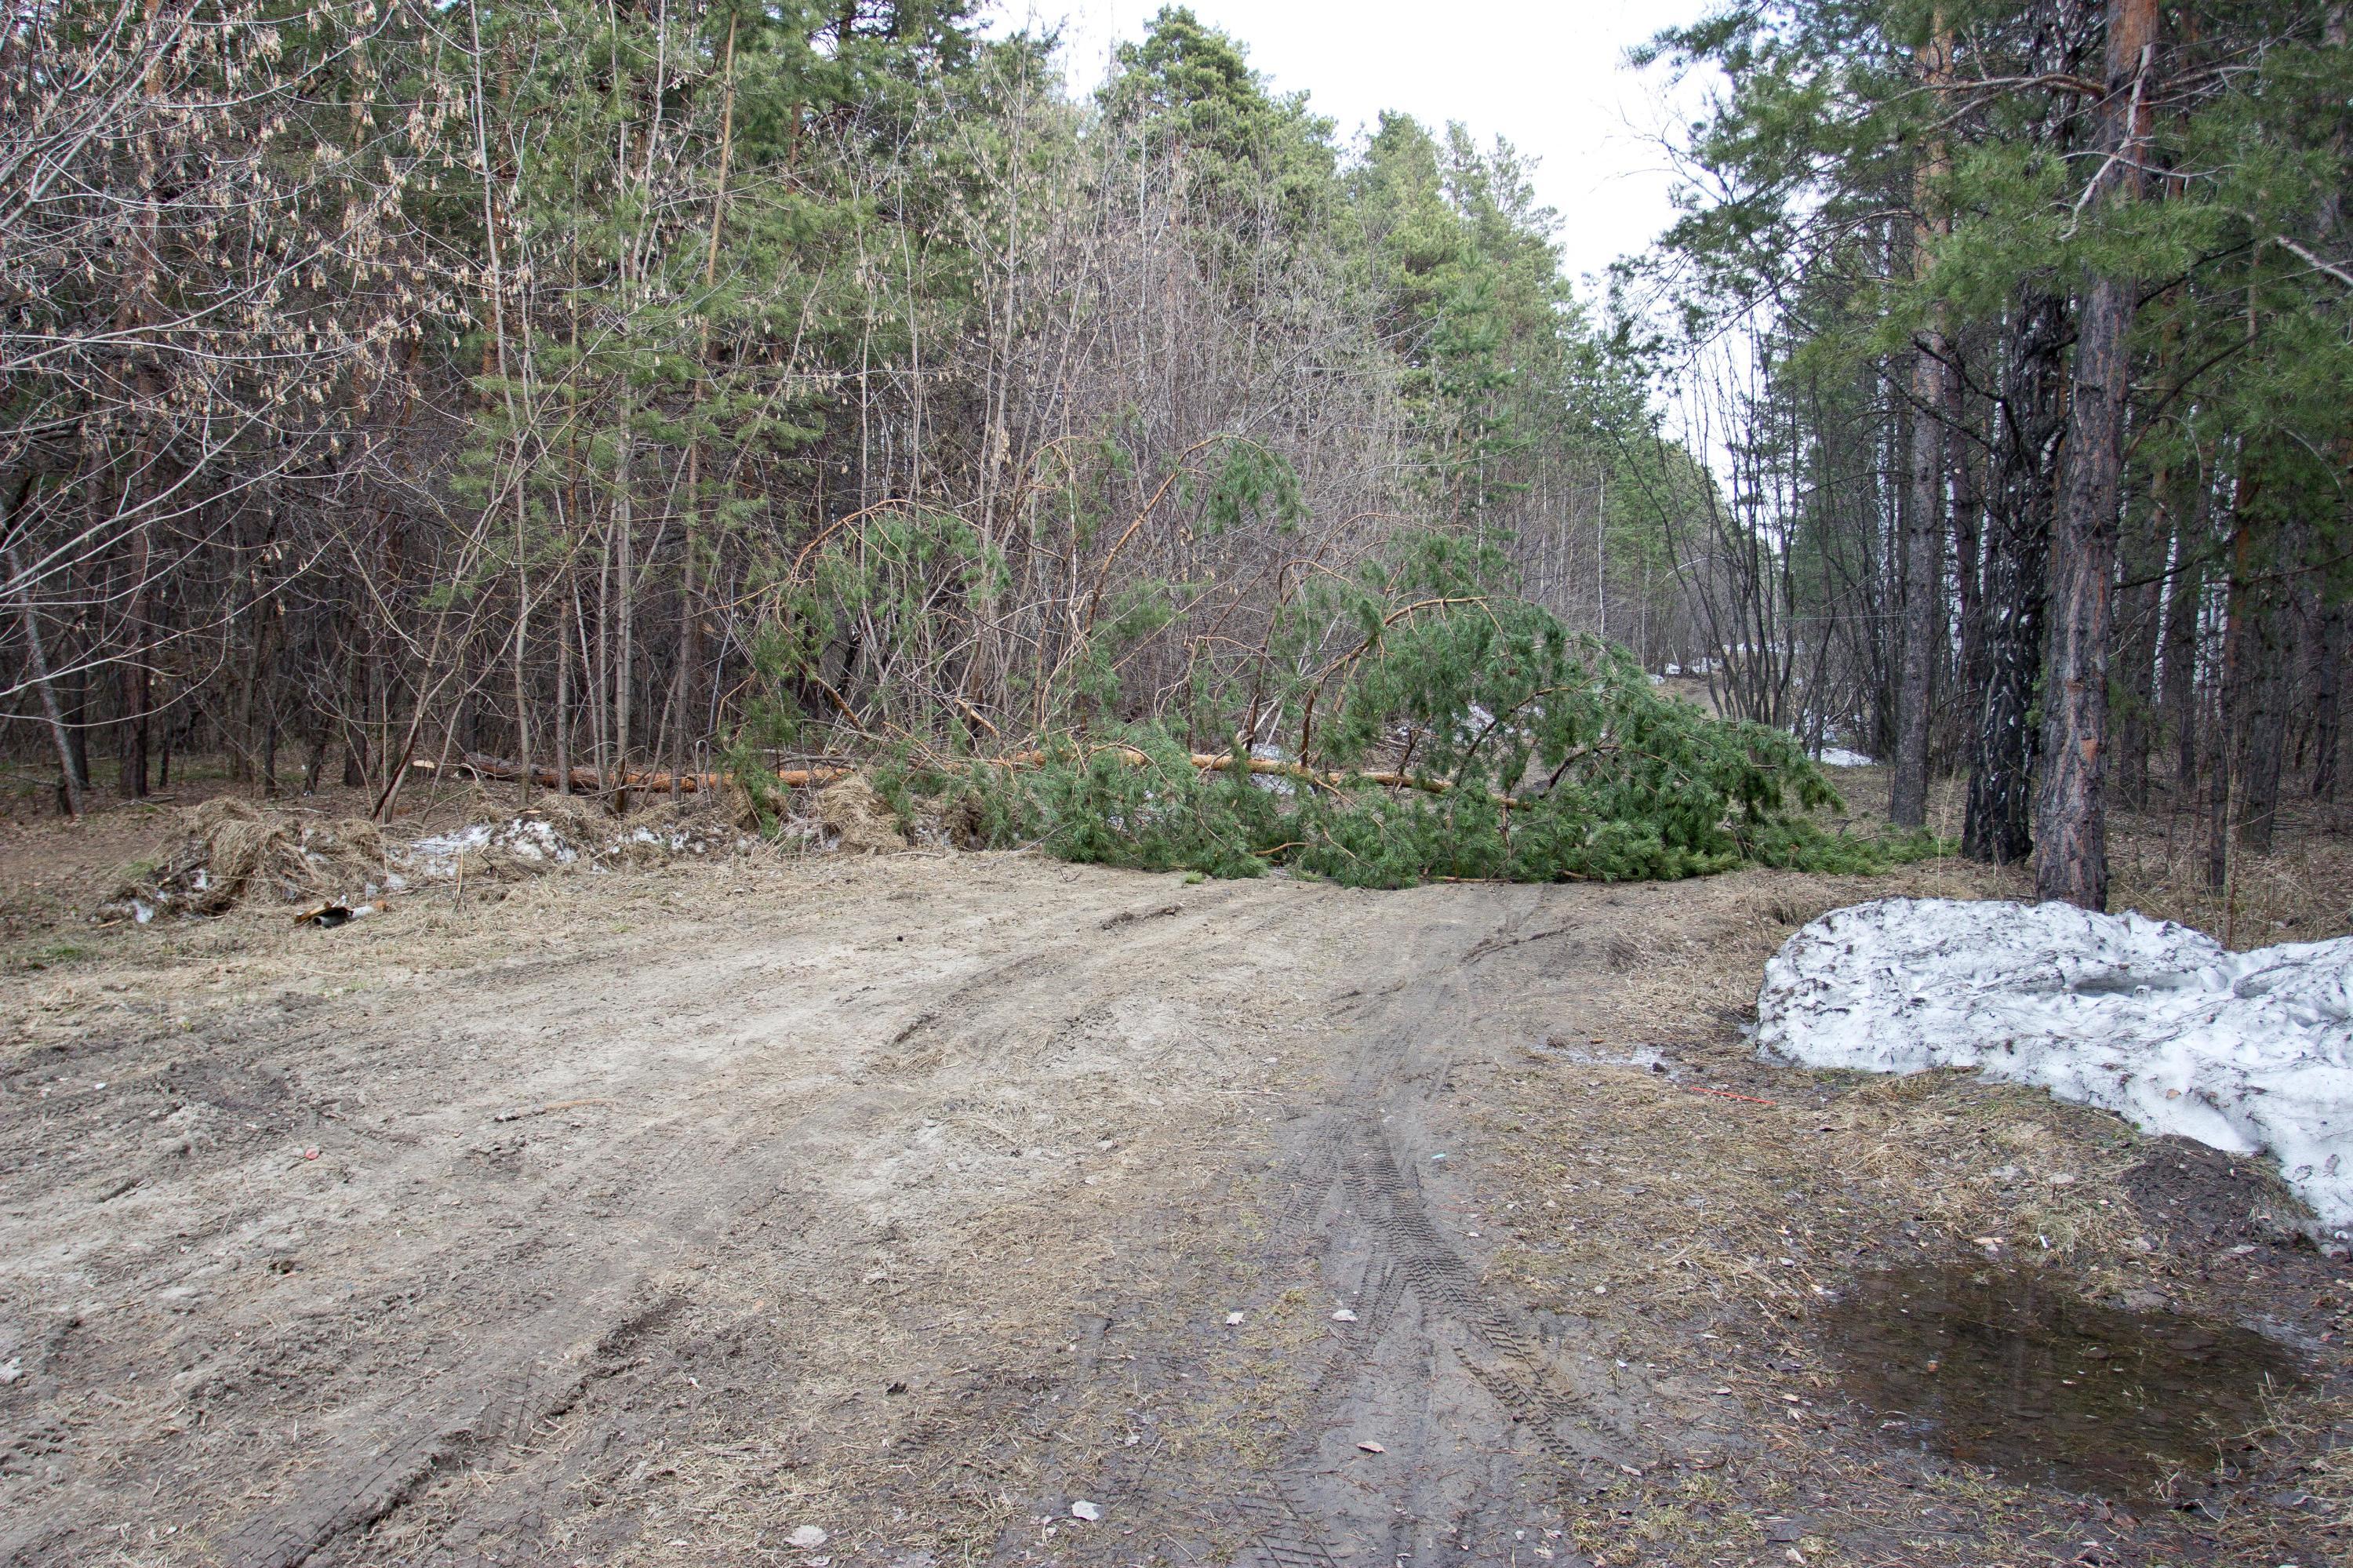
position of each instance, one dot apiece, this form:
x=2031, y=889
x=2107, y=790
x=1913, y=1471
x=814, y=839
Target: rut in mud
x=912, y=1201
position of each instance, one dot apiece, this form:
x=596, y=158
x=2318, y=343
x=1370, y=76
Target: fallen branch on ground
x=585, y=780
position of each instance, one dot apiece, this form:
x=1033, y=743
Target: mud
x=2003, y=1366
x=658, y=1216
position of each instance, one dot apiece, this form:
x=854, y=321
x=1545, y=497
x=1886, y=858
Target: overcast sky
x=1548, y=77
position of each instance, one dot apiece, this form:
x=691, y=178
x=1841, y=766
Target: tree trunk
x=2017, y=563
x=2264, y=735
x=2184, y=603
x=690, y=654
x=563, y=692
x=2222, y=751
x=2334, y=648
x=624, y=582
x=2070, y=827
x=1923, y=596
x=2332, y=641
x=2139, y=610
x=69, y=787
x=135, y=686
x=1969, y=571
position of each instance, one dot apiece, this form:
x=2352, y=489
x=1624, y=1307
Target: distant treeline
x=656, y=386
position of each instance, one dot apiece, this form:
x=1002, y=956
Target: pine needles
x=1437, y=729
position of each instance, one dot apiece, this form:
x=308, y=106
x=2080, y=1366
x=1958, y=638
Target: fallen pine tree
x=1679, y=794
x=1411, y=721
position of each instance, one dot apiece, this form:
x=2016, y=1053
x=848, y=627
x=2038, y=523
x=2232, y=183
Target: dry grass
x=2302, y=891
x=1704, y=1235
x=856, y=820
x=231, y=852
x=1695, y=1235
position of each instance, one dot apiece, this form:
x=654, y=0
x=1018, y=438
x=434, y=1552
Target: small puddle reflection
x=1992, y=1366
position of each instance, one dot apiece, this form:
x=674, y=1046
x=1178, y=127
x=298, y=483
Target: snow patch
x=2243, y=1052
x=1839, y=756
x=535, y=842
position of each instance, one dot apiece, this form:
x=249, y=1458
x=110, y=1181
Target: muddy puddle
x=1994, y=1366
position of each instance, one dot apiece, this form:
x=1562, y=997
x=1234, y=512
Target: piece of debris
x=327, y=916
x=1086, y=1510
x=550, y=1109
x=1726, y=1095
x=1233, y=1319
x=806, y=1535
x=310, y=1154
x=1344, y=1316
x=1369, y=1447
x=11, y=1370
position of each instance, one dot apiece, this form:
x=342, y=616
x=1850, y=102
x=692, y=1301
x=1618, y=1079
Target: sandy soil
x=654, y=1217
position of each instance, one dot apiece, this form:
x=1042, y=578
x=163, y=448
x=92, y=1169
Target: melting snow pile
x=560, y=834
x=2243, y=1052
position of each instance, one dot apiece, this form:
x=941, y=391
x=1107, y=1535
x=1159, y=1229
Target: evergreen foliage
x=1505, y=746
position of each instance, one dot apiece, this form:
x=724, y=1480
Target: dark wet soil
x=1996, y=1366
x=2200, y=1198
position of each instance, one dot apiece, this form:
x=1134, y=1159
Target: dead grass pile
x=232, y=852
x=854, y=820
x=949, y=821
x=735, y=804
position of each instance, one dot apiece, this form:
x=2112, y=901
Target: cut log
x=1223, y=762
x=583, y=779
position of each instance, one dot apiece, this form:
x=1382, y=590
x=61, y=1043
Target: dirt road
x=656, y=1218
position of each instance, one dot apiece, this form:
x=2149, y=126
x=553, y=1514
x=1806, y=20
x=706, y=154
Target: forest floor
x=674, y=1215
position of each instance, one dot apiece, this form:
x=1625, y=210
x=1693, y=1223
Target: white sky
x=1549, y=77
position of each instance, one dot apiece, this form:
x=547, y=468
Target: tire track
x=537, y=1362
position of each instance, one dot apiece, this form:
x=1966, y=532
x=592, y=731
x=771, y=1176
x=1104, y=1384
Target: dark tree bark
x=2230, y=699
x=2263, y=737
x=1969, y=571
x=1923, y=597
x=2331, y=640
x=2139, y=610
x=37, y=658
x=135, y=688
x=2071, y=825
x=2185, y=594
x=2030, y=418
x=2334, y=648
